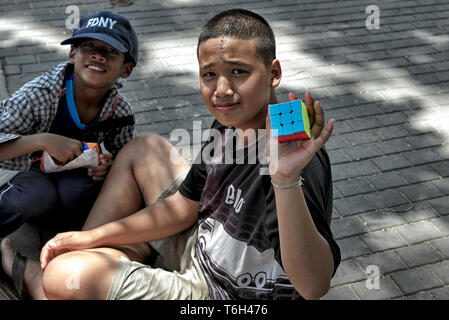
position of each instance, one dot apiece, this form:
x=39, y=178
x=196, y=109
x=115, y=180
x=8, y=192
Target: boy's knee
x=146, y=143
x=62, y=277
x=147, y=147
x=78, y=275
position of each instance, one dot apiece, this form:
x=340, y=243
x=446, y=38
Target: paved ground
x=387, y=88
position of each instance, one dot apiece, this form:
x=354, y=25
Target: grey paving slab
x=387, y=262
x=388, y=89
x=442, y=245
x=442, y=271
x=382, y=240
x=386, y=289
x=416, y=280
x=349, y=271
x=417, y=255
x=340, y=293
x=351, y=248
x=418, y=231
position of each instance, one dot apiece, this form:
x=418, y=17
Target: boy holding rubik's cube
x=290, y=121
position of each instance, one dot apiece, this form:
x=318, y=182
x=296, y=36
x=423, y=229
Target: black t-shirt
x=238, y=239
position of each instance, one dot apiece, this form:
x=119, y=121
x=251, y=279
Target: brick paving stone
x=390, y=119
x=424, y=295
x=418, y=231
x=442, y=168
x=381, y=219
x=348, y=271
x=382, y=240
x=347, y=227
x=393, y=132
x=361, y=137
x=387, y=180
x=420, y=254
x=354, y=186
x=387, y=198
x=391, y=162
x=418, y=174
x=442, y=185
x=441, y=270
x=357, y=168
x=387, y=290
x=393, y=146
x=338, y=156
x=387, y=262
x=442, y=224
x=442, y=245
x=363, y=152
x=440, y=293
x=419, y=192
x=340, y=293
x=416, y=212
x=353, y=205
x=424, y=141
x=418, y=157
x=415, y=280
x=351, y=248
x=440, y=205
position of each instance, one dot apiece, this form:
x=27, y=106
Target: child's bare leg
x=139, y=175
x=85, y=274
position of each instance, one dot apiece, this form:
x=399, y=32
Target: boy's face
x=97, y=64
x=235, y=83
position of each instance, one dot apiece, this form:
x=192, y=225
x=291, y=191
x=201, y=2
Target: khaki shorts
x=180, y=278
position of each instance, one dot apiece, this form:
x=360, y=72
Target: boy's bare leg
x=32, y=277
x=140, y=173
x=85, y=274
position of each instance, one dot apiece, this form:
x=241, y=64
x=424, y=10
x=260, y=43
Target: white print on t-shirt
x=237, y=263
x=232, y=199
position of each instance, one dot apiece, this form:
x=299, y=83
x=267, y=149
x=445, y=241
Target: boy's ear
x=276, y=73
x=127, y=69
x=72, y=55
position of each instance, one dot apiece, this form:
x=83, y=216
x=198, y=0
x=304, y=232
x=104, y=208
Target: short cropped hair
x=244, y=25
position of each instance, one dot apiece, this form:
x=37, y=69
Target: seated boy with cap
x=75, y=102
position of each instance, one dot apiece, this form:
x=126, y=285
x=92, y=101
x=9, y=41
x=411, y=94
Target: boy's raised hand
x=293, y=156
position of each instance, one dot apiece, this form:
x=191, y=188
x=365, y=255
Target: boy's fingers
x=106, y=157
x=310, y=103
x=326, y=134
x=291, y=96
x=318, y=126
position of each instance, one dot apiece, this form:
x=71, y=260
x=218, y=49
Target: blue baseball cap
x=111, y=28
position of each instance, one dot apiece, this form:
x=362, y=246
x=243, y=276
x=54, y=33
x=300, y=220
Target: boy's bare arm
x=61, y=148
x=159, y=220
x=306, y=255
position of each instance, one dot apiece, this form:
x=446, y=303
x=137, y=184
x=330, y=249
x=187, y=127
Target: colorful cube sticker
x=291, y=121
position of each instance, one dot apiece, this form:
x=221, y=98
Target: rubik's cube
x=291, y=121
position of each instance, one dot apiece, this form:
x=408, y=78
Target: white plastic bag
x=89, y=158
